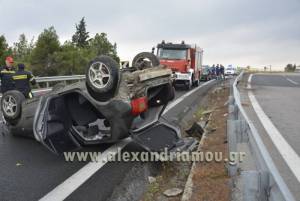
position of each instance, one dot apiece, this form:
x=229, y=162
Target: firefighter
x=6, y=74
x=218, y=71
x=213, y=71
x=222, y=72
x=23, y=79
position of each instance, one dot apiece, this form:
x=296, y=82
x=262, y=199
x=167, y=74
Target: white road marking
x=249, y=81
x=292, y=81
x=291, y=158
x=181, y=98
x=63, y=190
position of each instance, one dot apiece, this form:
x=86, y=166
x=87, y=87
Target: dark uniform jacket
x=22, y=80
x=7, y=82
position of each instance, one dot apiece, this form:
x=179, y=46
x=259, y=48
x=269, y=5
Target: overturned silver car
x=110, y=105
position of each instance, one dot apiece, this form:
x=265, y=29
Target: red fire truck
x=185, y=61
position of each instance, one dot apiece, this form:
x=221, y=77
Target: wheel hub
x=99, y=75
x=10, y=105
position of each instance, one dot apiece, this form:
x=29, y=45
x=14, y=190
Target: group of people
x=16, y=79
x=218, y=71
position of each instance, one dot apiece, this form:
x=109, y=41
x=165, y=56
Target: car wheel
x=102, y=75
x=145, y=60
x=11, y=104
x=169, y=94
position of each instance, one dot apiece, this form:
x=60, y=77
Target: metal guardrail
x=47, y=80
x=60, y=78
x=264, y=183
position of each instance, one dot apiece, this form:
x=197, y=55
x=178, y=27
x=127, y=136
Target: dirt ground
x=210, y=179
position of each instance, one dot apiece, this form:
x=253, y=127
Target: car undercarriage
x=110, y=105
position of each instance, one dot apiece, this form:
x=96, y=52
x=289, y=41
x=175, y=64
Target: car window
x=172, y=53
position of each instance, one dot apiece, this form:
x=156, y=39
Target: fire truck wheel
x=145, y=60
x=188, y=85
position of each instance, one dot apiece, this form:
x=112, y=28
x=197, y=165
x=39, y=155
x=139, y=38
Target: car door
x=53, y=126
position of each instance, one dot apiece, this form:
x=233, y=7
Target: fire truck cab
x=184, y=60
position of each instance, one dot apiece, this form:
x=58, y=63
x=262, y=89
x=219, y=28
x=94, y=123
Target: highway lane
x=29, y=171
x=277, y=120
x=280, y=97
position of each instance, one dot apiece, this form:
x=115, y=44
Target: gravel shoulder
x=207, y=177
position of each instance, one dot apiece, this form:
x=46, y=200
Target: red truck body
x=184, y=60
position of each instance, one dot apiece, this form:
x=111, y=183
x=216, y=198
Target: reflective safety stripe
x=30, y=95
x=20, y=77
x=8, y=71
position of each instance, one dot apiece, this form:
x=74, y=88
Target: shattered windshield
x=172, y=53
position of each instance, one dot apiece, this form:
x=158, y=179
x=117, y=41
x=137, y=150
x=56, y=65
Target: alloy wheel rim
x=99, y=75
x=9, y=105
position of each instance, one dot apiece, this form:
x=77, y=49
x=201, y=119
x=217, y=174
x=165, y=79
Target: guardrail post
x=255, y=185
x=242, y=131
x=231, y=134
x=264, y=185
x=230, y=100
x=232, y=145
x=250, y=185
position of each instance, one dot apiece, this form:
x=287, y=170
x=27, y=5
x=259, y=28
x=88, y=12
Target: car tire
x=145, y=60
x=11, y=104
x=102, y=76
x=169, y=94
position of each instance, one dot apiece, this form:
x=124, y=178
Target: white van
x=230, y=70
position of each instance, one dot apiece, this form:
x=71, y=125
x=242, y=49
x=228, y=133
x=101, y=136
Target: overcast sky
x=252, y=32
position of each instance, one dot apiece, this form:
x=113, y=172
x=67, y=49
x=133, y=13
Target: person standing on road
x=222, y=72
x=213, y=71
x=23, y=79
x=6, y=74
x=218, y=71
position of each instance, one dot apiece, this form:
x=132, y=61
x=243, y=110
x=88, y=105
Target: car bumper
x=182, y=76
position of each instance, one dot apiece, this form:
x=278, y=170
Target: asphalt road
x=29, y=171
x=279, y=97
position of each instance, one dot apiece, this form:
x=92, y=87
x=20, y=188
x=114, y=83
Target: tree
x=71, y=59
x=3, y=45
x=42, y=55
x=47, y=57
x=290, y=68
x=22, y=48
x=100, y=45
x=4, y=50
x=80, y=38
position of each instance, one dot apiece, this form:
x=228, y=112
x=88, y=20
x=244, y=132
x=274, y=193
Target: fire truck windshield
x=172, y=53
